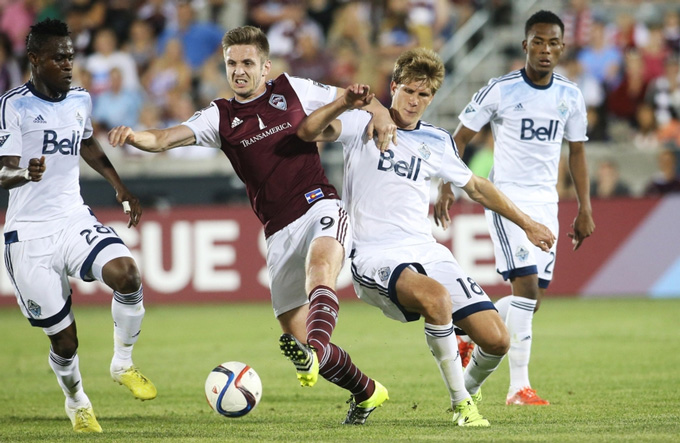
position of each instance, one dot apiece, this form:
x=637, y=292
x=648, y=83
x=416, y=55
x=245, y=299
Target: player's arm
x=381, y=125
x=152, y=140
x=94, y=156
x=583, y=225
x=484, y=192
x=11, y=175
x=445, y=197
x=322, y=125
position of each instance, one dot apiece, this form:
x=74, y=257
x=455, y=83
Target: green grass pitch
x=611, y=369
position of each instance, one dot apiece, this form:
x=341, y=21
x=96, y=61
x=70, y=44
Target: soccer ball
x=233, y=389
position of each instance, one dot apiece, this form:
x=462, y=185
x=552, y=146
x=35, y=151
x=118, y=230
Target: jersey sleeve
x=453, y=170
x=353, y=128
x=10, y=132
x=87, y=128
x=312, y=94
x=482, y=108
x=577, y=125
x=205, y=124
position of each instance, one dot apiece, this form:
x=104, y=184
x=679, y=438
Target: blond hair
x=420, y=64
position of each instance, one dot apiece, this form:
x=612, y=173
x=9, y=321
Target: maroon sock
x=323, y=314
x=337, y=368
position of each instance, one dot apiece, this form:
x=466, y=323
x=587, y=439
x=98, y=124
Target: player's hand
x=36, y=169
x=442, y=205
x=583, y=227
x=383, y=127
x=121, y=135
x=540, y=236
x=131, y=206
x=358, y=96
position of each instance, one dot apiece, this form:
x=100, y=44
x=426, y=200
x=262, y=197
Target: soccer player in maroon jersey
x=305, y=224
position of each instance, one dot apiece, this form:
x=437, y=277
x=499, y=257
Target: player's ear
x=267, y=67
x=524, y=46
x=393, y=87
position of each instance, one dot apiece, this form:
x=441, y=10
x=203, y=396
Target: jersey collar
x=31, y=87
x=528, y=81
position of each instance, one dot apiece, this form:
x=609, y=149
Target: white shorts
x=375, y=274
x=39, y=268
x=287, y=251
x=515, y=255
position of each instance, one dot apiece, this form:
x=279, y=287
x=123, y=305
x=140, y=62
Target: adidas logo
x=519, y=107
x=469, y=109
x=39, y=119
x=3, y=139
x=235, y=122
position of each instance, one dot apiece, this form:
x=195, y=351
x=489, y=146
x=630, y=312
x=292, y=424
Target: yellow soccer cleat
x=466, y=414
x=303, y=357
x=140, y=386
x=83, y=419
x=359, y=412
x=477, y=397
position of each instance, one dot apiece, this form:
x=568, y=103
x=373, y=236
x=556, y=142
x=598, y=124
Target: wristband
x=27, y=175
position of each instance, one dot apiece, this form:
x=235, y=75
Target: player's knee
x=437, y=306
x=64, y=345
x=122, y=275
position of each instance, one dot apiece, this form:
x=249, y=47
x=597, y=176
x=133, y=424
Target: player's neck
x=538, y=78
x=44, y=90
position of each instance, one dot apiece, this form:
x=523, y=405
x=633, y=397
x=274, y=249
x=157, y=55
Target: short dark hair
x=42, y=31
x=543, y=16
x=247, y=35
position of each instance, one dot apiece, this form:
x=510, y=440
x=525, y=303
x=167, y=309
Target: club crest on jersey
x=384, y=273
x=3, y=139
x=79, y=119
x=235, y=122
x=522, y=253
x=314, y=195
x=563, y=108
x=34, y=308
x=424, y=151
x=278, y=101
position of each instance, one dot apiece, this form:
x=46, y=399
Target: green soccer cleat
x=83, y=419
x=303, y=357
x=477, y=397
x=140, y=386
x=359, y=412
x=465, y=413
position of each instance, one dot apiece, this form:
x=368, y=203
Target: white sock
x=127, y=311
x=502, y=306
x=480, y=367
x=444, y=346
x=67, y=371
x=519, y=319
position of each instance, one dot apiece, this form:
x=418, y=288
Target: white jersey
x=528, y=122
x=32, y=126
x=388, y=194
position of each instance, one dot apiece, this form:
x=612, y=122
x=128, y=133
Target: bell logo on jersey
x=64, y=146
x=401, y=168
x=542, y=133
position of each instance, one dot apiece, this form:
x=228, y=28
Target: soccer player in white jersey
x=306, y=227
x=530, y=110
x=396, y=264
x=50, y=234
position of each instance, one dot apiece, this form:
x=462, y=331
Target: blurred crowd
x=152, y=63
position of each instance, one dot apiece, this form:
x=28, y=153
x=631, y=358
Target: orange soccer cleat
x=526, y=396
x=465, y=349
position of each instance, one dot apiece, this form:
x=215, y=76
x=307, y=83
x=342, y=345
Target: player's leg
x=95, y=252
x=44, y=295
x=489, y=333
x=519, y=320
x=421, y=294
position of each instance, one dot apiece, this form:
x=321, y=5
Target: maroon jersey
x=283, y=174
